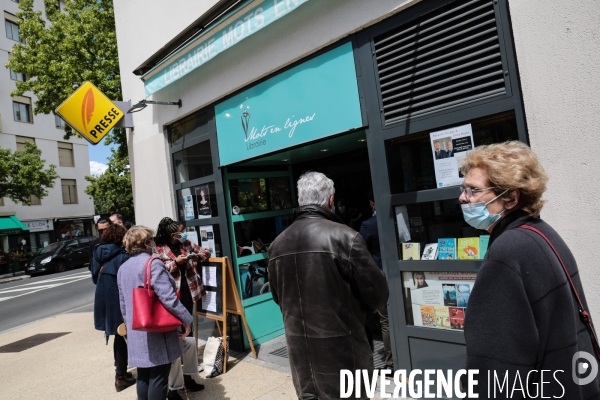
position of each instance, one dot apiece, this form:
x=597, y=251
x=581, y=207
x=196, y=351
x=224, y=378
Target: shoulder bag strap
x=148, y=274
x=585, y=316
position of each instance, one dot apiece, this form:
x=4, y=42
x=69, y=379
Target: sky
x=99, y=157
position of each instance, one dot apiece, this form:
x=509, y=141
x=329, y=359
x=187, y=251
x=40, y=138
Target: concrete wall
x=558, y=53
x=46, y=136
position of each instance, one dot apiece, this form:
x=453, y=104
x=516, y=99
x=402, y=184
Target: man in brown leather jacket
x=325, y=281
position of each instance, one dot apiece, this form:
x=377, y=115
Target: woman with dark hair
x=107, y=258
x=181, y=257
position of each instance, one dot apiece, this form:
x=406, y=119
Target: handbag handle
x=148, y=275
x=585, y=316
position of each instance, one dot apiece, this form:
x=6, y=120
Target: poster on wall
x=192, y=236
x=203, y=199
x=439, y=299
x=207, y=237
x=449, y=148
x=188, y=204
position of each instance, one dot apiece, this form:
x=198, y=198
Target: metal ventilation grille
x=448, y=57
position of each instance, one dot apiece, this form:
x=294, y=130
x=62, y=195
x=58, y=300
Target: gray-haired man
x=324, y=279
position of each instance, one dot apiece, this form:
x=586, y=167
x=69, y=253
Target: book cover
x=449, y=291
x=463, y=291
x=468, y=248
x=442, y=317
x=446, y=249
x=484, y=240
x=411, y=251
x=428, y=315
x=457, y=318
x=430, y=252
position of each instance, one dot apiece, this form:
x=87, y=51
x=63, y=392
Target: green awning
x=11, y=226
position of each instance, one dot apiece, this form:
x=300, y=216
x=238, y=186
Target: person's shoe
x=122, y=382
x=173, y=395
x=191, y=385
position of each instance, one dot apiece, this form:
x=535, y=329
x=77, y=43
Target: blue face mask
x=183, y=237
x=478, y=216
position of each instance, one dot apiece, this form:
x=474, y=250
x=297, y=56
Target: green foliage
x=22, y=174
x=112, y=190
x=77, y=45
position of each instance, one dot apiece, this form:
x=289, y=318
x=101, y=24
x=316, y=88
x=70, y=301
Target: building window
x=1, y=201
x=65, y=155
x=69, y=191
x=12, y=31
x=22, y=111
x=59, y=122
x=57, y=5
x=17, y=76
x=35, y=201
x=21, y=140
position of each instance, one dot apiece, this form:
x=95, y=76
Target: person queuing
x=523, y=317
x=151, y=353
x=116, y=218
x=324, y=280
x=108, y=257
x=101, y=227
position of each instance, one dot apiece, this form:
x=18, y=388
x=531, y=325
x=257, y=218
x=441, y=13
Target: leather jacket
x=325, y=281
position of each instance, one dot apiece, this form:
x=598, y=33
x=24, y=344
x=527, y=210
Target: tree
x=78, y=45
x=112, y=190
x=22, y=174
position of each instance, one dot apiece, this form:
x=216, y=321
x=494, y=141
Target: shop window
x=207, y=236
x=410, y=158
x=257, y=234
x=17, y=76
x=21, y=140
x=65, y=154
x=69, y=191
x=189, y=128
x=260, y=194
x=193, y=163
x=59, y=122
x=22, y=110
x=197, y=202
x=35, y=201
x=12, y=28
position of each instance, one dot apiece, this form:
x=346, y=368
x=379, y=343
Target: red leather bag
x=149, y=314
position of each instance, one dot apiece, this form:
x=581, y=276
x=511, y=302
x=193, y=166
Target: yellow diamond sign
x=90, y=113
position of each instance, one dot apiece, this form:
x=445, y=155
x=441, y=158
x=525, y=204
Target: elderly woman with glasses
x=151, y=353
x=523, y=321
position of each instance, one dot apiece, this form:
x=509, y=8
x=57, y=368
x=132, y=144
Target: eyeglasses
x=469, y=192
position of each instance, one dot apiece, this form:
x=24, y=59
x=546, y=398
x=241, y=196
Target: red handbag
x=149, y=314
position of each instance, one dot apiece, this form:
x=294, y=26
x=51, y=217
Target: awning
x=11, y=226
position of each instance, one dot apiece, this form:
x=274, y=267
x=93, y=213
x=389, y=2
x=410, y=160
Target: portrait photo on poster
x=449, y=148
x=203, y=201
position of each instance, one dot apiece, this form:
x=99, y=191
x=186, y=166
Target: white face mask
x=478, y=216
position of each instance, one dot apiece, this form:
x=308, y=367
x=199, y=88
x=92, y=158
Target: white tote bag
x=212, y=359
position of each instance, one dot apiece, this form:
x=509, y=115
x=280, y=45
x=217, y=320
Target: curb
x=14, y=278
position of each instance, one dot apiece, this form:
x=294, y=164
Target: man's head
x=116, y=218
x=103, y=224
x=436, y=145
x=315, y=188
x=449, y=145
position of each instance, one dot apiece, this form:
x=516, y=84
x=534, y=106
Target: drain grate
x=32, y=341
x=282, y=352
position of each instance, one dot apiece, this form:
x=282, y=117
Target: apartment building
x=67, y=211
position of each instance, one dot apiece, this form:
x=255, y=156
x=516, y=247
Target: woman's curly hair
x=113, y=234
x=511, y=165
x=166, y=227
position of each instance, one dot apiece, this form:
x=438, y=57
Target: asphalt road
x=30, y=300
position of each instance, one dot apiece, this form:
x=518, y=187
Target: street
x=44, y=296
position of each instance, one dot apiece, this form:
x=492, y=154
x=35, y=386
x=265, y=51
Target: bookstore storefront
x=395, y=106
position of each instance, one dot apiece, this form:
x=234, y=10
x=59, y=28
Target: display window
x=193, y=162
x=188, y=129
x=197, y=202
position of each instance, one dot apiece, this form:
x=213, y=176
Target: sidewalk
x=78, y=365
x=10, y=278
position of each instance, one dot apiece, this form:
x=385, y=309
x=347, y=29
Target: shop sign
x=90, y=113
x=235, y=28
x=39, y=225
x=313, y=100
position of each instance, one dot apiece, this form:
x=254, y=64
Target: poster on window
x=449, y=148
x=207, y=238
x=188, y=205
x=439, y=299
x=203, y=199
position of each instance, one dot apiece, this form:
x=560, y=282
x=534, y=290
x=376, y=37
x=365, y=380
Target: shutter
x=448, y=57
x=65, y=194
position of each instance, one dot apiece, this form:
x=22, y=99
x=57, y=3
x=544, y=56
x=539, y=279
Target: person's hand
x=181, y=259
x=194, y=258
x=186, y=331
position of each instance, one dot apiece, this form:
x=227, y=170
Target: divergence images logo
x=580, y=368
x=87, y=108
x=245, y=122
